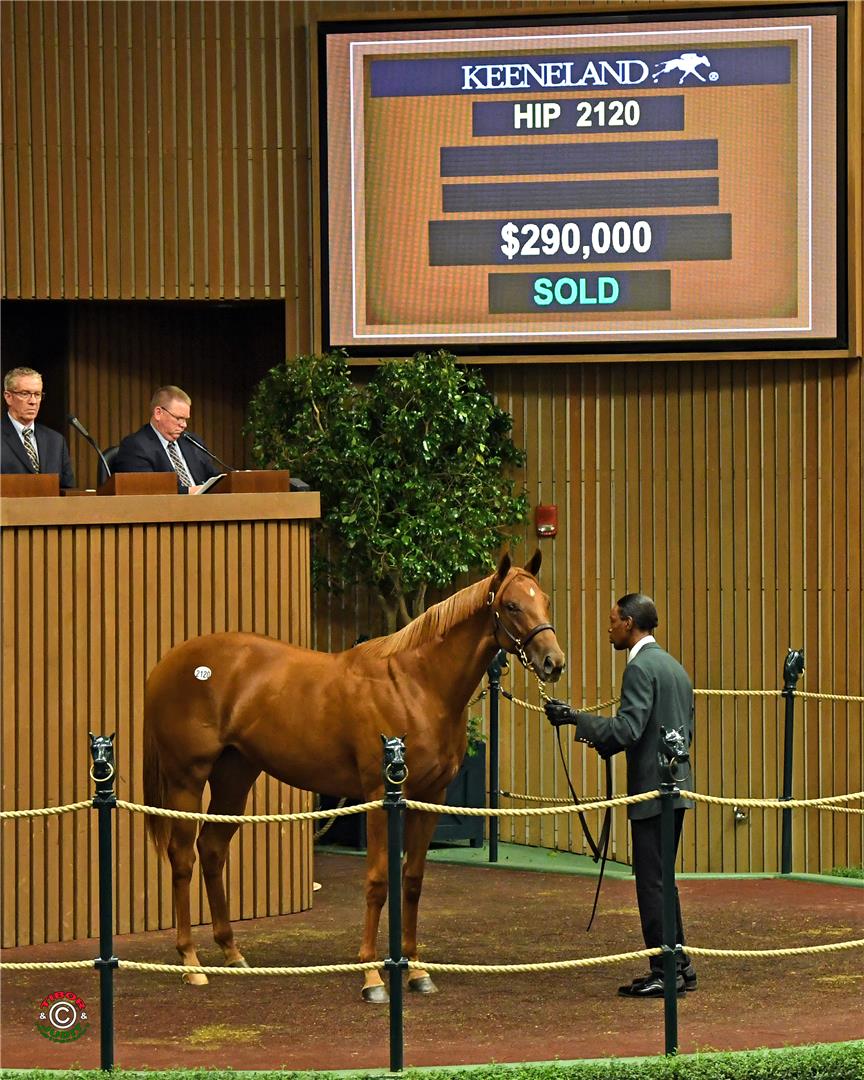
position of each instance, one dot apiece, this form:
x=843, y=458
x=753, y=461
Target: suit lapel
x=13, y=445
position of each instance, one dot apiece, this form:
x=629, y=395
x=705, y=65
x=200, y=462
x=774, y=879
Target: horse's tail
x=159, y=828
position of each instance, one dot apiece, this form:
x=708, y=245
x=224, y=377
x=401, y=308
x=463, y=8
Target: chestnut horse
x=221, y=709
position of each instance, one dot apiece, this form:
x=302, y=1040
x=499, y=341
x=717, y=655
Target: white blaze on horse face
x=203, y=673
x=532, y=591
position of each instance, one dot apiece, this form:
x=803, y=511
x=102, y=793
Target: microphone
x=79, y=427
x=209, y=453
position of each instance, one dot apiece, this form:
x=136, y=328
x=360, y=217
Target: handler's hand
x=559, y=713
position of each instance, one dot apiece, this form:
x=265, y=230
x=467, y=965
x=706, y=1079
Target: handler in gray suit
x=655, y=692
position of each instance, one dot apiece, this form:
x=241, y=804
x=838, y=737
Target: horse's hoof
x=423, y=985
x=194, y=978
x=241, y=962
x=375, y=995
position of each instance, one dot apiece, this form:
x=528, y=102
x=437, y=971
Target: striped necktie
x=30, y=447
x=178, y=465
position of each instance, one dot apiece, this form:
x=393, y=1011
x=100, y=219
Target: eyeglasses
x=27, y=395
x=174, y=416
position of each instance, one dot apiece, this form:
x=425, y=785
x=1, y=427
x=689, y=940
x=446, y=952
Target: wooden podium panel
x=139, y=483
x=29, y=485
x=248, y=481
x=96, y=591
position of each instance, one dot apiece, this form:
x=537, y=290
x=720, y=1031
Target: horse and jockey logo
x=687, y=63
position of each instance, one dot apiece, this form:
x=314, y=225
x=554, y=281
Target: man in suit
x=164, y=445
x=29, y=447
x=655, y=692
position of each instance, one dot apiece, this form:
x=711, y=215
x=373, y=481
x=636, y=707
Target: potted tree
x=415, y=466
x=417, y=473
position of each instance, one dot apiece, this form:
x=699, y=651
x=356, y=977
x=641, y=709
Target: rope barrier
x=46, y=811
x=314, y=969
x=825, y=803
x=422, y=965
x=702, y=692
x=45, y=965
x=562, y=806
x=244, y=819
x=837, y=946
x=485, y=811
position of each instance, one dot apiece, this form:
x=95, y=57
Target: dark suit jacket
x=143, y=452
x=655, y=691
x=51, y=446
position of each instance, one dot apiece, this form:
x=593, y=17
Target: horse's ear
x=504, y=566
x=533, y=565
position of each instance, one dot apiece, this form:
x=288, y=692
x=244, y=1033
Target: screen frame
x=582, y=350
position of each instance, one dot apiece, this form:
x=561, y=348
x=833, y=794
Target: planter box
x=468, y=788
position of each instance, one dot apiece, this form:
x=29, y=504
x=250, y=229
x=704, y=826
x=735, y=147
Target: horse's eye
x=512, y=607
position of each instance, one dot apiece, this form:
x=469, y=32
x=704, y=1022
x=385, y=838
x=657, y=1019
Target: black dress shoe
x=650, y=986
x=689, y=975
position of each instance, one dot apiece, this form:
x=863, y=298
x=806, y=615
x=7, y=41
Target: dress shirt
x=164, y=442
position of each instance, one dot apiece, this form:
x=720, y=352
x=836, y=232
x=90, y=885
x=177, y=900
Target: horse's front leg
x=419, y=829
x=376, y=893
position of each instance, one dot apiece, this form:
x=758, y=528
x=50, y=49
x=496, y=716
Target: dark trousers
x=648, y=871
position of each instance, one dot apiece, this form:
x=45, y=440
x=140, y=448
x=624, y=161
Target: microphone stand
x=209, y=453
x=79, y=427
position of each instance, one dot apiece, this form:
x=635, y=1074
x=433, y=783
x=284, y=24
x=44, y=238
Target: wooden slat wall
x=156, y=151
x=88, y=612
x=732, y=493
x=162, y=151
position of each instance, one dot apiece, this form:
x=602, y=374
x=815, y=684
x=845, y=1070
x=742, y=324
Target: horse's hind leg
x=181, y=853
x=230, y=782
x=419, y=829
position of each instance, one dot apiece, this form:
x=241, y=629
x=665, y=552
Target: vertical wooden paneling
x=93, y=609
x=157, y=151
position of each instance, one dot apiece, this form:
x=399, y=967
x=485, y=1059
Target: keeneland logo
x=562, y=74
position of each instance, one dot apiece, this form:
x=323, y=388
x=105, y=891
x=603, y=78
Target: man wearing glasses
x=29, y=447
x=164, y=445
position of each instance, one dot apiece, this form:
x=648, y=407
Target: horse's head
x=520, y=612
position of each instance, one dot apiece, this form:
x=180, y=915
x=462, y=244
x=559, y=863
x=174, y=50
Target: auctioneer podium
x=95, y=591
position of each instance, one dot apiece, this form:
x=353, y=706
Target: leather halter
x=518, y=643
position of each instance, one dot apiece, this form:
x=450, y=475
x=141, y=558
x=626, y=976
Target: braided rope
x=536, y=798
x=64, y=965
x=316, y=836
x=826, y=803
x=485, y=811
x=837, y=946
x=244, y=819
x=314, y=969
x=46, y=811
x=805, y=694
x=551, y=965
x=418, y=965
x=828, y=697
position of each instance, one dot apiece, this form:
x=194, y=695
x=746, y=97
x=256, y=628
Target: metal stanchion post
x=395, y=773
x=793, y=668
x=672, y=752
x=104, y=802
x=494, y=672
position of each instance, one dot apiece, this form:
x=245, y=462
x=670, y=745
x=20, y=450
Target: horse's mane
x=434, y=622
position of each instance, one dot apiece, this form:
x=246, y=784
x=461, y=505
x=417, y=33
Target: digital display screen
x=615, y=185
